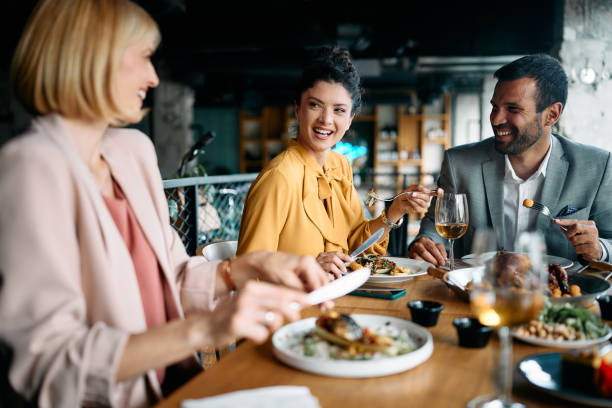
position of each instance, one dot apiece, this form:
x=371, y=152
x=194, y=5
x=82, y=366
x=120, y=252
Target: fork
x=373, y=197
x=534, y=205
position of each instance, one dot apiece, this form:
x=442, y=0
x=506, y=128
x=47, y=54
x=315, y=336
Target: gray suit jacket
x=577, y=175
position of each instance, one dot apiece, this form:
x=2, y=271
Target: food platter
x=458, y=279
x=566, y=344
x=416, y=266
x=591, y=286
x=563, y=262
x=285, y=338
x=543, y=371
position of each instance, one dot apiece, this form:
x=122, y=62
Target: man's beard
x=523, y=140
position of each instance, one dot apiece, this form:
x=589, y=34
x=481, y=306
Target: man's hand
x=427, y=250
x=584, y=236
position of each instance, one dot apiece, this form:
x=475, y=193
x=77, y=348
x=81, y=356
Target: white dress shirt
x=516, y=217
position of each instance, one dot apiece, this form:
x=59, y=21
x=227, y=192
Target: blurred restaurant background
x=228, y=74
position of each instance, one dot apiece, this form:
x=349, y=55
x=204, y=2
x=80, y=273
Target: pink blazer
x=69, y=297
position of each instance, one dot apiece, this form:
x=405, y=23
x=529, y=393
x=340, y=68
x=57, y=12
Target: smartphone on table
x=390, y=293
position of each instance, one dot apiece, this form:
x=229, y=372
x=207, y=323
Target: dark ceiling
x=227, y=50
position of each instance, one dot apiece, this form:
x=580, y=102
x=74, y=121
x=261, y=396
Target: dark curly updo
x=333, y=65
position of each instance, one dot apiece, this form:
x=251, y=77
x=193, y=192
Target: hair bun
x=333, y=64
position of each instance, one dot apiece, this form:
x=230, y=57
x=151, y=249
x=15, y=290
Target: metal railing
x=207, y=209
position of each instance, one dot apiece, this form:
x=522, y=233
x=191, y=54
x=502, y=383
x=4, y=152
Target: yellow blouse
x=285, y=210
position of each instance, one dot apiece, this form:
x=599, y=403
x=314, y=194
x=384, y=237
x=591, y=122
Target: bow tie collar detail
x=325, y=180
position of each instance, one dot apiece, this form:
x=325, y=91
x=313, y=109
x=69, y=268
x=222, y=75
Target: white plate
x=284, y=336
x=339, y=287
x=418, y=268
x=564, y=262
x=566, y=344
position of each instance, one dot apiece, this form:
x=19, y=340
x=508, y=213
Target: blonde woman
x=99, y=300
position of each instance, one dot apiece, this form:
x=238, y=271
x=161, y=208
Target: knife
x=367, y=243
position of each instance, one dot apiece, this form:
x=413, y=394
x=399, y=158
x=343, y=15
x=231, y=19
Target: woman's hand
x=334, y=263
x=255, y=313
x=414, y=203
x=298, y=272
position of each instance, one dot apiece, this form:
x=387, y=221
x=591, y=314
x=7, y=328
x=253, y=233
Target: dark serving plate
x=543, y=371
x=591, y=287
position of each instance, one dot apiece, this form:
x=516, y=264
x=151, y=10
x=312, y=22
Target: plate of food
x=564, y=326
x=549, y=259
x=352, y=346
x=389, y=269
x=577, y=289
x=583, y=378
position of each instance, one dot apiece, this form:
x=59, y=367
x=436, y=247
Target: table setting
x=425, y=334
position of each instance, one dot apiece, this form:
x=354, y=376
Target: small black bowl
x=425, y=312
x=605, y=306
x=472, y=333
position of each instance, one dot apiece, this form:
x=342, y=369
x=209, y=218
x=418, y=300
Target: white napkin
x=266, y=397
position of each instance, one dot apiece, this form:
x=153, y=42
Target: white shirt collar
x=540, y=171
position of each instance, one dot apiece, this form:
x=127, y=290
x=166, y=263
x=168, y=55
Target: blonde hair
x=67, y=57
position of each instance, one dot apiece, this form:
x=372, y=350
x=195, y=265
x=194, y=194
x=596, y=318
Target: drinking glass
x=508, y=290
x=452, y=218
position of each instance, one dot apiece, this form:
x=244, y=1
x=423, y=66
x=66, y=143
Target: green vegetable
x=309, y=346
x=582, y=320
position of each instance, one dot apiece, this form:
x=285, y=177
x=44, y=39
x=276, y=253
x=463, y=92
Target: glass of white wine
x=452, y=219
x=508, y=290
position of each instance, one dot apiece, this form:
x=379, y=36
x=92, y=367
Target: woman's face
x=324, y=114
x=135, y=75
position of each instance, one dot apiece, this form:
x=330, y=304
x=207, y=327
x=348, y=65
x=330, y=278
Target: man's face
x=516, y=124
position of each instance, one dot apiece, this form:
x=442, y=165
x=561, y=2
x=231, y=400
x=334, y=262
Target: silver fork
x=373, y=197
x=543, y=209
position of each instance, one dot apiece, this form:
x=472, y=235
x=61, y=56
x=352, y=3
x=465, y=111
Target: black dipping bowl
x=605, y=305
x=425, y=312
x=472, y=333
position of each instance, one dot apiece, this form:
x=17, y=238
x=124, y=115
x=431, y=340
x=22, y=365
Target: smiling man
x=526, y=160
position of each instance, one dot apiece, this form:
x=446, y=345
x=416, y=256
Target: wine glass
x=452, y=218
x=508, y=290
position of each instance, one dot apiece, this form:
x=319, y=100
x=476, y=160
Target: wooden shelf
x=434, y=116
x=273, y=129
x=412, y=129
x=365, y=118
x=413, y=162
x=437, y=140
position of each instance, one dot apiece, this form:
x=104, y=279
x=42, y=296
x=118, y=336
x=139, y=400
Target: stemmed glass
x=508, y=290
x=452, y=218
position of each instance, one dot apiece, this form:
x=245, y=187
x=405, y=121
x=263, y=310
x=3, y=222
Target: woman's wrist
x=226, y=274
x=393, y=215
x=196, y=332
x=247, y=267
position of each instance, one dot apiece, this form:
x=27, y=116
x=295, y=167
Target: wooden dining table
x=451, y=377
